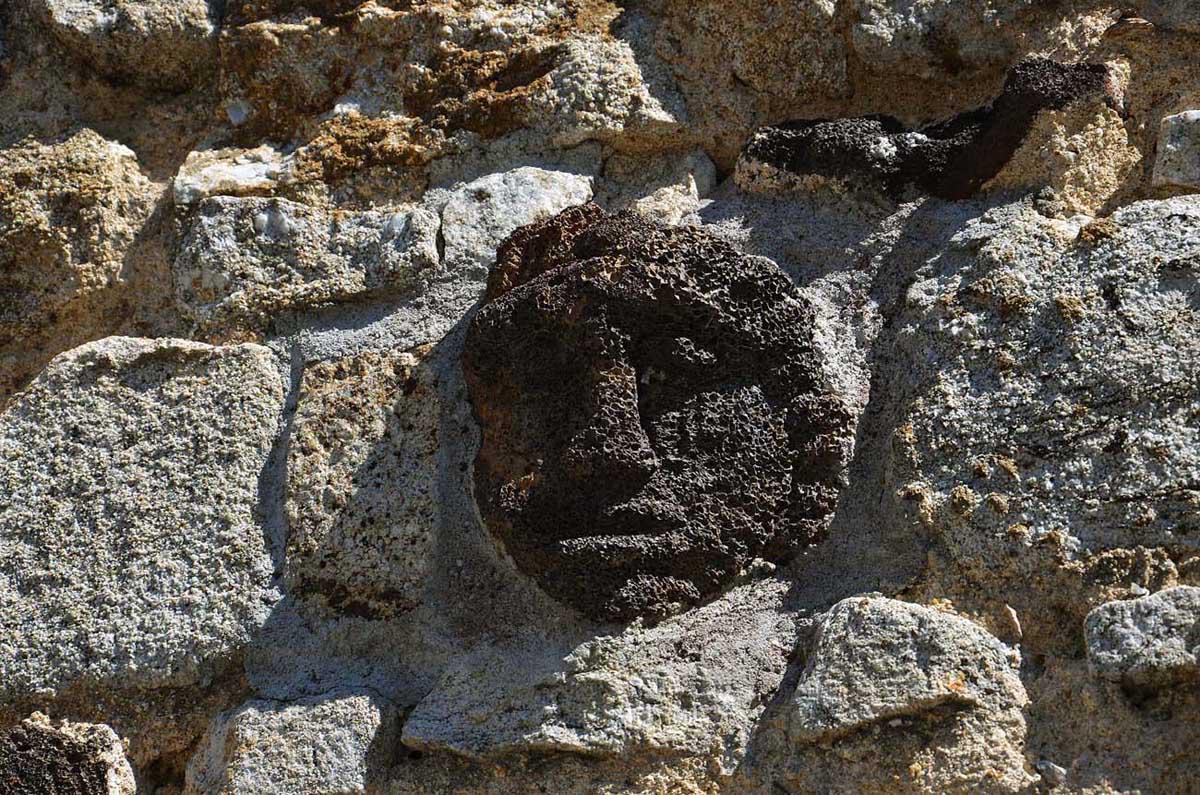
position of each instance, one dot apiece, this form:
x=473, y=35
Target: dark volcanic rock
x=653, y=409
x=951, y=159
x=36, y=758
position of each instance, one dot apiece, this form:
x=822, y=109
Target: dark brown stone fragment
x=653, y=409
x=38, y=759
x=951, y=159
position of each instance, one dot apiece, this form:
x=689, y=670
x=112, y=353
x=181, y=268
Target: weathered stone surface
x=163, y=44
x=1084, y=153
x=1109, y=736
x=875, y=660
x=325, y=745
x=694, y=686
x=653, y=409
x=663, y=189
x=1178, y=15
x=1178, y=160
x=926, y=38
x=598, y=91
x=228, y=172
x=131, y=553
x=70, y=210
x=362, y=494
x=246, y=259
x=1147, y=642
x=1020, y=383
x=479, y=215
x=899, y=693
x=463, y=74
x=1032, y=439
x=740, y=66
x=69, y=759
x=951, y=159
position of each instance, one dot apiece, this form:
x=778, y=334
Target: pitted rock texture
x=71, y=209
x=322, y=745
x=162, y=44
x=1149, y=642
x=37, y=757
x=245, y=259
x=362, y=468
x=951, y=159
x=654, y=413
x=132, y=553
x=1178, y=161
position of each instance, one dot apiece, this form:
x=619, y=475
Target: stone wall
x=481, y=396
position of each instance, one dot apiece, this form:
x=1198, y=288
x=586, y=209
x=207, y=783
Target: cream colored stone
x=71, y=210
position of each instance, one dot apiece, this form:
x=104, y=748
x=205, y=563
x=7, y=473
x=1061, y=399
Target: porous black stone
x=951, y=159
x=653, y=409
x=46, y=762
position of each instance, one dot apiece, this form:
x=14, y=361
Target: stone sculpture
x=654, y=413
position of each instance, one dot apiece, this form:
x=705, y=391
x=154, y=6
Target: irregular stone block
x=654, y=413
x=1032, y=439
x=1178, y=160
x=246, y=259
x=480, y=214
x=951, y=159
x=324, y=745
x=662, y=188
x=70, y=212
x=876, y=659
x=931, y=38
x=1153, y=641
x=228, y=172
x=695, y=686
x=131, y=553
x=162, y=44
x=362, y=504
x=69, y=759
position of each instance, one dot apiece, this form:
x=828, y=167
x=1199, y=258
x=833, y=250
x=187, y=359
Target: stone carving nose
x=613, y=443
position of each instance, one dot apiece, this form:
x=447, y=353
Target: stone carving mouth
x=641, y=516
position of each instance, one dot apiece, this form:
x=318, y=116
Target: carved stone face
x=653, y=413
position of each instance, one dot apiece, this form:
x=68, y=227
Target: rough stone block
x=877, y=659
x=1153, y=641
x=71, y=210
x=244, y=260
x=131, y=551
x=480, y=214
x=323, y=745
x=164, y=44
x=362, y=483
x=228, y=172
x=1178, y=160
x=38, y=757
